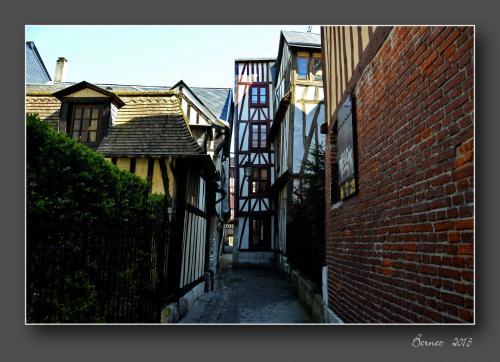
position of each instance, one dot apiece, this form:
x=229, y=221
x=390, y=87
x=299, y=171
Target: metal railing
x=78, y=274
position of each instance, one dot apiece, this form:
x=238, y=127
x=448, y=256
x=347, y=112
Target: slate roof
x=297, y=38
x=57, y=86
x=217, y=100
x=35, y=68
x=150, y=126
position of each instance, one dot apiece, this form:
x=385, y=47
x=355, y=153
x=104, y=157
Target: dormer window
x=86, y=112
x=84, y=123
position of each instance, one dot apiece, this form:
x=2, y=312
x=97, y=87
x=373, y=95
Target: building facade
x=400, y=173
x=175, y=137
x=295, y=131
x=254, y=161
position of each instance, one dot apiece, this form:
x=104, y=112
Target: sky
x=202, y=56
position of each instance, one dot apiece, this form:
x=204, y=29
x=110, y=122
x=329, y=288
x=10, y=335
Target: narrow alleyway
x=250, y=295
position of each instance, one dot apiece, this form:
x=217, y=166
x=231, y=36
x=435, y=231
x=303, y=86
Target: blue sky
x=155, y=55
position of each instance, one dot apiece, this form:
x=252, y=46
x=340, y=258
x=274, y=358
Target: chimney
x=61, y=69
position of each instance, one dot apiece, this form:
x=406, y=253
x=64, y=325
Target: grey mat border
x=245, y=343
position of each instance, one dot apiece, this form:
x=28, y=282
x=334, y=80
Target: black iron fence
x=98, y=275
x=306, y=250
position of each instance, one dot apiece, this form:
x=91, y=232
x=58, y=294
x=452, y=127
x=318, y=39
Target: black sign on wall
x=346, y=149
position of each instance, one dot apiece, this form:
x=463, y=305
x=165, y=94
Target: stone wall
x=252, y=258
x=173, y=312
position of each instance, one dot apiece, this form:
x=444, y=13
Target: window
x=259, y=135
x=302, y=67
x=258, y=180
x=309, y=66
x=260, y=233
x=317, y=70
x=258, y=96
x=84, y=123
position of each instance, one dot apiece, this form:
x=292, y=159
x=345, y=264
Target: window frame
x=311, y=57
x=265, y=241
x=262, y=129
x=71, y=121
x=66, y=116
x=261, y=181
x=259, y=104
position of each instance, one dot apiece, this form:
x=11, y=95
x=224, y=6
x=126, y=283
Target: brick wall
x=401, y=249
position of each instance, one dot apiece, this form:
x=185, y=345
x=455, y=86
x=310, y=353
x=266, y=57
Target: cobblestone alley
x=248, y=296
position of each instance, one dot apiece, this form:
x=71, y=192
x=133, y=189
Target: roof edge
x=242, y=60
x=32, y=45
x=84, y=84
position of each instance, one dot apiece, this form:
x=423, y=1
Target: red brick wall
x=401, y=250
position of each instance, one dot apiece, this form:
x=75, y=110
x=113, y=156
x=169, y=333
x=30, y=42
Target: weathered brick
x=467, y=249
x=465, y=224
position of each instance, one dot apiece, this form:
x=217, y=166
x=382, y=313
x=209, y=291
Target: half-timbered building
x=254, y=161
x=176, y=138
x=209, y=113
x=295, y=130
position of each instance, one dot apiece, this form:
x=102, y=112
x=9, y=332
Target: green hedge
x=78, y=204
x=67, y=182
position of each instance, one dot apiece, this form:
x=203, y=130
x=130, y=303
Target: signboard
x=346, y=151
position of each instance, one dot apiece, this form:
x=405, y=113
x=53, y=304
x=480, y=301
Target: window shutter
x=64, y=116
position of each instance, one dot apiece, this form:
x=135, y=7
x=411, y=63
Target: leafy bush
x=89, y=232
x=69, y=183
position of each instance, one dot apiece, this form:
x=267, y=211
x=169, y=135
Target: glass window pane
x=78, y=113
x=264, y=174
x=302, y=67
x=93, y=125
x=254, y=91
x=86, y=113
x=95, y=113
x=85, y=127
x=85, y=123
x=263, y=91
x=92, y=136
x=254, y=99
x=318, y=72
x=76, y=134
x=262, y=99
x=76, y=124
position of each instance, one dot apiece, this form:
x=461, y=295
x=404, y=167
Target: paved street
x=248, y=296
